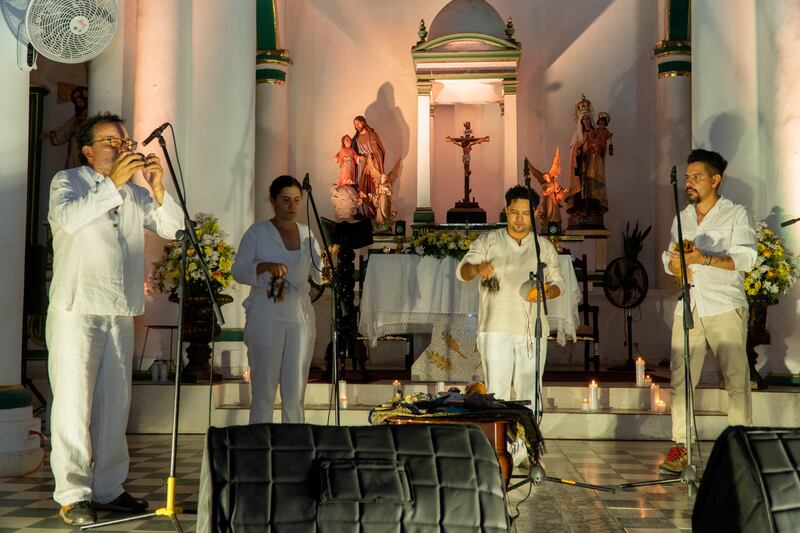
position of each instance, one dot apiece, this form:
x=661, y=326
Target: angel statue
x=553, y=193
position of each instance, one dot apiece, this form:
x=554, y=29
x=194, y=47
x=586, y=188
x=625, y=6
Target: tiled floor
x=26, y=504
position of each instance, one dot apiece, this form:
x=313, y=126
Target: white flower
x=419, y=250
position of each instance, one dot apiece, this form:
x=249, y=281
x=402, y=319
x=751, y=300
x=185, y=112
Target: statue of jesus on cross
x=465, y=142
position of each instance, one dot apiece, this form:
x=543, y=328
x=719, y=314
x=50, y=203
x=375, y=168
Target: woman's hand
x=278, y=270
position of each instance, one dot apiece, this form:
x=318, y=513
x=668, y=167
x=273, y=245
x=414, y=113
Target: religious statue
x=68, y=133
x=374, y=185
x=465, y=142
x=553, y=193
x=344, y=195
x=466, y=210
x=587, y=199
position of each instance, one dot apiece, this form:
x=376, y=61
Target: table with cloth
x=421, y=294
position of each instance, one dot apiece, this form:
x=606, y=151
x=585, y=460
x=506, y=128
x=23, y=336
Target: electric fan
x=71, y=31
x=625, y=283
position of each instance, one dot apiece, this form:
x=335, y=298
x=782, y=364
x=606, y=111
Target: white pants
x=279, y=352
x=90, y=359
x=511, y=358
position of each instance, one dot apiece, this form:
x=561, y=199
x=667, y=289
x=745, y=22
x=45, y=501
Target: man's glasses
x=117, y=142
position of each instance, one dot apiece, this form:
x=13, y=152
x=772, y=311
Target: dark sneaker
x=676, y=460
x=124, y=503
x=77, y=514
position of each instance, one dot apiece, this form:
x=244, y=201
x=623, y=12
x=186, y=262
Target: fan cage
x=48, y=24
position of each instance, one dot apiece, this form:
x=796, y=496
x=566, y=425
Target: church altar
x=419, y=294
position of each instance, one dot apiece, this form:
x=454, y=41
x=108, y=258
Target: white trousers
x=511, y=359
x=90, y=360
x=279, y=352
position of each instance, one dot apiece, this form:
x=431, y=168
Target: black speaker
x=305, y=478
x=751, y=482
x=553, y=228
x=400, y=228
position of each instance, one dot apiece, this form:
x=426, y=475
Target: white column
x=110, y=76
x=510, y=173
x=18, y=451
x=673, y=129
x=219, y=123
x=423, y=150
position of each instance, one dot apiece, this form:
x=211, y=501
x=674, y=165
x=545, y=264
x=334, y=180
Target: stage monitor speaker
x=305, y=478
x=751, y=482
x=399, y=228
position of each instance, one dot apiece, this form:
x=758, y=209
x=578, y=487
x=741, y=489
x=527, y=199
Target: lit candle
x=585, y=404
x=639, y=372
x=661, y=407
x=343, y=394
x=648, y=381
x=246, y=375
x=398, y=390
x=440, y=387
x=594, y=396
x=655, y=396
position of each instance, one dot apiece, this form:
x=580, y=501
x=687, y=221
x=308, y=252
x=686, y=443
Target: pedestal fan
x=625, y=283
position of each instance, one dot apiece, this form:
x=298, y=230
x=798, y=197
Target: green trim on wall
x=15, y=397
x=423, y=216
x=674, y=67
x=266, y=25
x=231, y=335
x=672, y=47
x=270, y=74
x=678, y=16
x=480, y=37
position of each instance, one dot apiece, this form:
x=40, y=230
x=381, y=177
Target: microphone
x=526, y=171
x=673, y=176
x=789, y=222
x=156, y=133
x=306, y=183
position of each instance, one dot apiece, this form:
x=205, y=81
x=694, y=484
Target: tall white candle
x=594, y=396
x=655, y=396
x=640, y=372
x=343, y=394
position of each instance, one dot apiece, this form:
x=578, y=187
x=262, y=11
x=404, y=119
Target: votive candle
x=640, y=372
x=648, y=381
x=594, y=396
x=655, y=396
x=343, y=394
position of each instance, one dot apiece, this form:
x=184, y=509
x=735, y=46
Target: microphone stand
x=790, y=222
x=689, y=473
x=186, y=237
x=337, y=310
x=536, y=473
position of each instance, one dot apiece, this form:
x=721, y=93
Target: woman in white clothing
x=275, y=258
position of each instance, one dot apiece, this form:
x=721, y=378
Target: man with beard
x=720, y=246
x=503, y=259
x=98, y=217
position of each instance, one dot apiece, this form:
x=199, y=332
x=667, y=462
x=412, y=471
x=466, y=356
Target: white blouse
x=263, y=243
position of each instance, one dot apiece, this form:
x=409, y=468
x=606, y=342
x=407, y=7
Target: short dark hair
x=715, y=163
x=518, y=192
x=280, y=183
x=86, y=133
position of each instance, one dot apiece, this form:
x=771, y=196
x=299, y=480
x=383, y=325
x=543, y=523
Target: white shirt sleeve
x=475, y=255
x=743, y=241
x=72, y=208
x=552, y=270
x=245, y=263
x=165, y=219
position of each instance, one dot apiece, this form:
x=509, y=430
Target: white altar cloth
x=409, y=293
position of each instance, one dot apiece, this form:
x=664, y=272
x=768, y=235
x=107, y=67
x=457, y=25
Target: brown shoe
x=124, y=503
x=77, y=514
x=676, y=460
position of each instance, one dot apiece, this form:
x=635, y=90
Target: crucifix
x=465, y=142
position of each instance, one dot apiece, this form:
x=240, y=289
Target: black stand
x=689, y=473
x=536, y=473
x=336, y=305
x=170, y=510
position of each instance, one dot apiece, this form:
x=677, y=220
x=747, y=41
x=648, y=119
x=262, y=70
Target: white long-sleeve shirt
x=98, y=241
x=506, y=311
x=725, y=230
x=263, y=243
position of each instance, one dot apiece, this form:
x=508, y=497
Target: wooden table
x=495, y=431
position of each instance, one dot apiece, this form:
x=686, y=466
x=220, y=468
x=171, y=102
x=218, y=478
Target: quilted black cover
x=272, y=478
x=751, y=483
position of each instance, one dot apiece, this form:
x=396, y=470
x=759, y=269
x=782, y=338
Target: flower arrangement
x=442, y=244
x=217, y=253
x=776, y=269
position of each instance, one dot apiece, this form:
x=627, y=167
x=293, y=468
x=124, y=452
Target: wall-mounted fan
x=625, y=283
x=66, y=31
